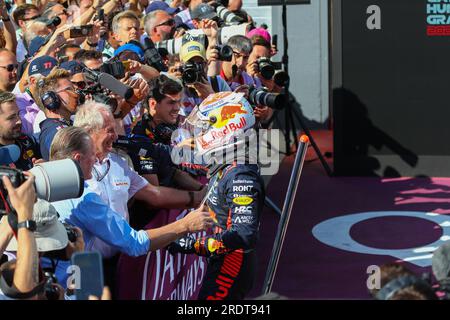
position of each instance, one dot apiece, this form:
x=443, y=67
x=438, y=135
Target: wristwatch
x=27, y=224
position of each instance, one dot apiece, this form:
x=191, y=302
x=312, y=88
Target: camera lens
x=266, y=68
x=190, y=73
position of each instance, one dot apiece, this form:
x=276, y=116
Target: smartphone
x=275, y=40
x=91, y=274
x=101, y=15
x=81, y=31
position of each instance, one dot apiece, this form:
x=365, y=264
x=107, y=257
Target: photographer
x=126, y=27
x=52, y=241
x=10, y=132
x=198, y=85
x=185, y=15
x=22, y=14
x=160, y=25
x=25, y=275
x=158, y=124
x=29, y=110
x=103, y=228
x=59, y=100
x=234, y=72
x=8, y=70
x=113, y=179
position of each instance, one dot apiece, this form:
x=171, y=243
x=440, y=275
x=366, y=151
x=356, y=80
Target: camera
x=71, y=233
x=265, y=67
x=173, y=46
x=81, y=31
x=262, y=97
x=225, y=52
x=114, y=68
x=54, y=181
x=226, y=15
x=192, y=72
x=50, y=291
x=98, y=95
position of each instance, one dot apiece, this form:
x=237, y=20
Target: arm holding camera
x=210, y=29
x=27, y=267
x=9, y=31
x=147, y=72
x=6, y=234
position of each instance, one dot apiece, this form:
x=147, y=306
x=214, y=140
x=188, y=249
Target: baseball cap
x=42, y=65
x=35, y=45
x=133, y=47
x=73, y=66
x=50, y=233
x=161, y=5
x=203, y=11
x=192, y=49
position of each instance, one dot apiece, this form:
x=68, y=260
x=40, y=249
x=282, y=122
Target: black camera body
x=114, y=68
x=51, y=292
x=192, y=72
x=225, y=52
x=16, y=177
x=265, y=68
x=71, y=233
x=99, y=95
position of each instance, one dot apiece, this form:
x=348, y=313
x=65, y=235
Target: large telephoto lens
x=58, y=180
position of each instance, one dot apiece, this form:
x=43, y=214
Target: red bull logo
x=219, y=134
x=229, y=112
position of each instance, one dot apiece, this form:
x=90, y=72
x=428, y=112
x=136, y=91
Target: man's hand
x=212, y=54
x=203, y=88
x=77, y=246
x=37, y=161
x=210, y=29
x=262, y=113
x=175, y=3
x=253, y=70
x=106, y=295
x=141, y=90
x=245, y=89
x=22, y=198
x=198, y=220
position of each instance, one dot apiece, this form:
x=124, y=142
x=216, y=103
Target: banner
x=160, y=275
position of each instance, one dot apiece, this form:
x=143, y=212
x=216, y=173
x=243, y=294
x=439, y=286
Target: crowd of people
x=100, y=82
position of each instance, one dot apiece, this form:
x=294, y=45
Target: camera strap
x=215, y=83
x=9, y=290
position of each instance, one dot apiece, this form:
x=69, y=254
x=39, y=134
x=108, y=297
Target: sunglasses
x=10, y=67
x=170, y=23
x=31, y=18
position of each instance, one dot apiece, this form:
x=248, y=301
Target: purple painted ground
x=309, y=269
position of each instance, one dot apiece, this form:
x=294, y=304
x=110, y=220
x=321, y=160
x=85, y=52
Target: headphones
x=50, y=100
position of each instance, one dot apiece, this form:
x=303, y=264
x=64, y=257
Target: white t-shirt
x=118, y=185
x=39, y=118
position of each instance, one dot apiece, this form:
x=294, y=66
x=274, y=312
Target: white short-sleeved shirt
x=118, y=186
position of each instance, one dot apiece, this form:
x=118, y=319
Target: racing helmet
x=219, y=125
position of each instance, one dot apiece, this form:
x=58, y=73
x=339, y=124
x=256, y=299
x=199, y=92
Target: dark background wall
x=391, y=91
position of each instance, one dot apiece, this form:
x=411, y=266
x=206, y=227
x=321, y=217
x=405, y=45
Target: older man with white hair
x=112, y=178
